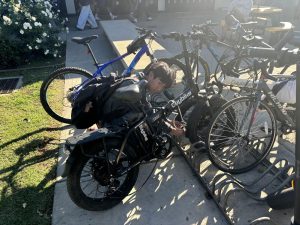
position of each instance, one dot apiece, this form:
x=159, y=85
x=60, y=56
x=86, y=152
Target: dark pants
x=143, y=8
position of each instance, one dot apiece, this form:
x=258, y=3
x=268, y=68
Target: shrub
x=28, y=29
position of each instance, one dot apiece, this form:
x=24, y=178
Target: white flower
x=54, y=54
x=26, y=25
x=67, y=30
x=37, y=24
x=7, y=20
x=16, y=23
x=46, y=52
x=43, y=12
x=27, y=14
x=49, y=25
x=36, y=47
x=38, y=40
x=58, y=10
x=21, y=31
x=16, y=9
x=67, y=19
x=29, y=47
x=33, y=18
x=44, y=34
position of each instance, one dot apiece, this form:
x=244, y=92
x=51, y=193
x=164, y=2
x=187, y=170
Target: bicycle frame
x=281, y=113
x=127, y=72
x=263, y=89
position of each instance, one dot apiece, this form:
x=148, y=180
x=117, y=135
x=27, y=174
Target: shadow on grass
x=33, y=133
x=29, y=204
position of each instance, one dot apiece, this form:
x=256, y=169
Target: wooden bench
x=121, y=33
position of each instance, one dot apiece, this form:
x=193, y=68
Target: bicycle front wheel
x=56, y=88
x=241, y=135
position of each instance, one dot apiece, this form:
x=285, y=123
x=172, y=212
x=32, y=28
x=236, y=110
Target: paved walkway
x=172, y=195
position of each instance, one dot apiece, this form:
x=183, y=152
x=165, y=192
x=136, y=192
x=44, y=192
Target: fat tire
x=203, y=114
x=88, y=203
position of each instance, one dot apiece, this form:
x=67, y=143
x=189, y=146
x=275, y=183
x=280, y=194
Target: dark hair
x=163, y=72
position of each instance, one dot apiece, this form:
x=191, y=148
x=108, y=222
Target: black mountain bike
x=189, y=61
x=243, y=131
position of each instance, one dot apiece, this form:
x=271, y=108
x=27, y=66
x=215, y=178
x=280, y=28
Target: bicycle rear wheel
x=239, y=142
x=56, y=88
x=200, y=119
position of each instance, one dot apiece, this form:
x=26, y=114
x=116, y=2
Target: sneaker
x=149, y=18
x=77, y=28
x=112, y=16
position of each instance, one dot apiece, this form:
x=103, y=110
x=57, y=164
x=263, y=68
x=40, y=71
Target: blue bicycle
x=55, y=90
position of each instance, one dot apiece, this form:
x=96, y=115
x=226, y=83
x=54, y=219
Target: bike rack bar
x=273, y=174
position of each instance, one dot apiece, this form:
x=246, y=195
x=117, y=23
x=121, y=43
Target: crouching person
x=120, y=113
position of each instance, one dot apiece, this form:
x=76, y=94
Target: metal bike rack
x=275, y=177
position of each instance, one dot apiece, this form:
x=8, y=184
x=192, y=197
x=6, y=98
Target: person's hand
x=177, y=131
x=177, y=128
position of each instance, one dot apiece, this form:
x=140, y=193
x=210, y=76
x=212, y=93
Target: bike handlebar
x=283, y=56
x=204, y=25
x=199, y=35
x=146, y=33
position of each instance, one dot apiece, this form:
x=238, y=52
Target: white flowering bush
x=28, y=29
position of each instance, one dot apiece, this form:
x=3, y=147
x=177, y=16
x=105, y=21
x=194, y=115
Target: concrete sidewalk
x=172, y=195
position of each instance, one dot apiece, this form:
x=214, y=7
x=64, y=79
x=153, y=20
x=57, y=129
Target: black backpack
x=95, y=94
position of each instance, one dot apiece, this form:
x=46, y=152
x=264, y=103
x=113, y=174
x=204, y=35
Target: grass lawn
x=29, y=143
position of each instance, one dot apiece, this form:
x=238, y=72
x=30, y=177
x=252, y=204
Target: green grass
x=29, y=143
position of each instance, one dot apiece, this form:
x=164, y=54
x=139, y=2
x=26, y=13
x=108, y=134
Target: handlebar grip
x=141, y=29
x=266, y=53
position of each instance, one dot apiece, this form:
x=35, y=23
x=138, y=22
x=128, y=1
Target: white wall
x=221, y=3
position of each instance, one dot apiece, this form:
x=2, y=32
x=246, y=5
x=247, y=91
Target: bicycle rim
x=241, y=135
x=56, y=90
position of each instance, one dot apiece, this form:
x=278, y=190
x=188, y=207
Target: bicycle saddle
x=84, y=40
